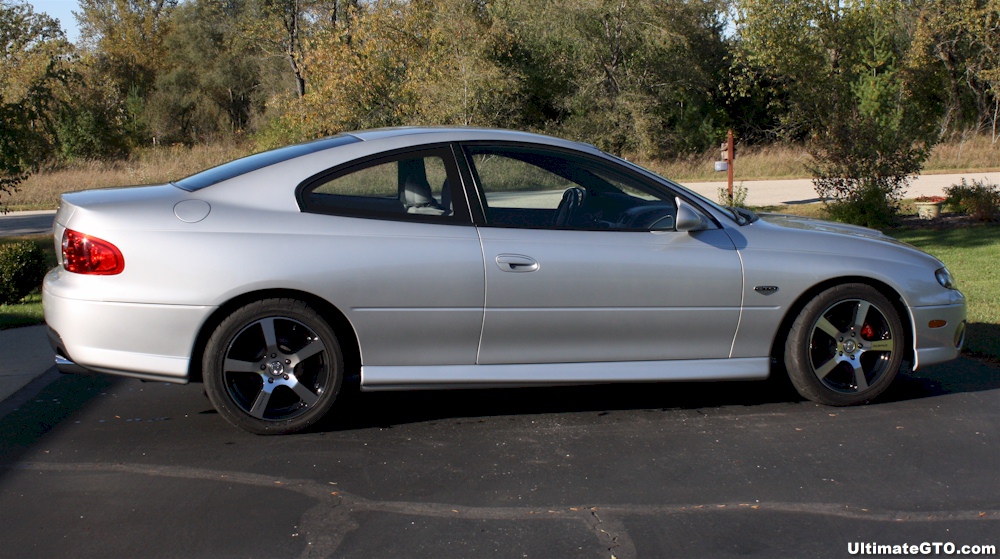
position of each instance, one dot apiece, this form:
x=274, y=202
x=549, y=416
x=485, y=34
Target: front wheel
x=273, y=367
x=846, y=346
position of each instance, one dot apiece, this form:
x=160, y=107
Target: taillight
x=83, y=254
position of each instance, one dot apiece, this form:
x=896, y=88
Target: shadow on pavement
x=956, y=377
x=23, y=427
x=801, y=202
x=359, y=410
x=28, y=416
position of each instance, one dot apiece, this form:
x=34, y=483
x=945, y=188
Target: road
x=802, y=191
x=98, y=467
x=759, y=193
x=17, y=224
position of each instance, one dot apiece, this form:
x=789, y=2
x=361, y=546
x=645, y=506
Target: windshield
x=735, y=214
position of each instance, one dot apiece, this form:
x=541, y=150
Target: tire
x=273, y=367
x=846, y=346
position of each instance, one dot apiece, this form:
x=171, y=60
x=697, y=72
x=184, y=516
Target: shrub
x=981, y=199
x=22, y=268
x=739, y=196
x=868, y=205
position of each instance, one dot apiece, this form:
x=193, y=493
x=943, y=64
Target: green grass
x=972, y=254
x=26, y=313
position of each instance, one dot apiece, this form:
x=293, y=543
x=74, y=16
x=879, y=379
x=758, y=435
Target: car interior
x=590, y=202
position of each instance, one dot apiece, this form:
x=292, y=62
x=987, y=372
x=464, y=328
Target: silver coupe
x=462, y=258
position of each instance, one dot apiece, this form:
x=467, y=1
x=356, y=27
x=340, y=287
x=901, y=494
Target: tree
x=838, y=64
x=282, y=28
x=630, y=76
x=960, y=41
x=88, y=123
x=359, y=75
x=208, y=87
x=866, y=157
x=463, y=80
x=123, y=45
x=31, y=70
x=638, y=77
x=127, y=35
x=392, y=63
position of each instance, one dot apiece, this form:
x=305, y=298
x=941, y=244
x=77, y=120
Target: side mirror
x=688, y=218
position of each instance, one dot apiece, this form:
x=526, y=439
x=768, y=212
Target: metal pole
x=729, y=158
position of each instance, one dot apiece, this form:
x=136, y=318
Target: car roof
x=348, y=145
x=458, y=134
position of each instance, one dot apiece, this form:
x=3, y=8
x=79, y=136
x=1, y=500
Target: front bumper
x=935, y=342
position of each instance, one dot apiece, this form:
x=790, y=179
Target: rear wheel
x=846, y=346
x=273, y=367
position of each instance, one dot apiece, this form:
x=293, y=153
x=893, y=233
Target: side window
x=518, y=183
x=402, y=186
x=539, y=189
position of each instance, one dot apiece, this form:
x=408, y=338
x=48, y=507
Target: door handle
x=516, y=263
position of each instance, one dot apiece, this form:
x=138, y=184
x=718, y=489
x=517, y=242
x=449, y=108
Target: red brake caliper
x=867, y=332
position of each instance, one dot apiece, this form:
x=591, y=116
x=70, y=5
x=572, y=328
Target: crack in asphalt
x=613, y=534
x=327, y=523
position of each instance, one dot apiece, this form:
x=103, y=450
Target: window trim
x=460, y=214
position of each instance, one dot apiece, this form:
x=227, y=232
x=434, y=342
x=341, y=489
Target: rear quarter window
x=418, y=185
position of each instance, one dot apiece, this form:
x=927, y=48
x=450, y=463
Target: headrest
x=413, y=183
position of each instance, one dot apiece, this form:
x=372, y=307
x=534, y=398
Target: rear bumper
x=152, y=342
x=63, y=363
x=66, y=365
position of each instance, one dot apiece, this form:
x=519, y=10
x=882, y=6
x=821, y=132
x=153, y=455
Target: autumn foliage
x=868, y=87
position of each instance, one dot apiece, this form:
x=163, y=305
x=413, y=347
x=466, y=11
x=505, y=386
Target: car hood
x=822, y=226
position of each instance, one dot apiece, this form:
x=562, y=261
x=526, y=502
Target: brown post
x=729, y=159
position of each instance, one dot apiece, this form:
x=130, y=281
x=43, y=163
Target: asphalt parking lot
x=94, y=466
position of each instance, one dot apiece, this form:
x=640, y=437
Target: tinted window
x=403, y=186
x=259, y=161
x=535, y=188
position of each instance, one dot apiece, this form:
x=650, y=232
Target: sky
x=63, y=11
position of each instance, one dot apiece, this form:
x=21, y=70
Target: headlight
x=944, y=278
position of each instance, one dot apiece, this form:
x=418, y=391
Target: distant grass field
x=147, y=166
x=166, y=163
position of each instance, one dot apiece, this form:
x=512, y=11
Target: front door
x=583, y=265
